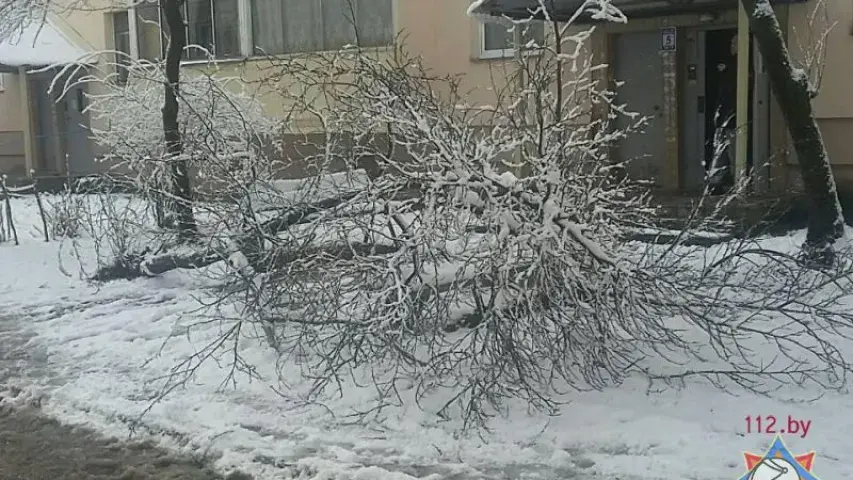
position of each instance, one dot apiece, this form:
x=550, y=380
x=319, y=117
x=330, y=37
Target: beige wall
x=447, y=40
x=830, y=22
x=439, y=31
x=12, y=159
x=10, y=104
x=808, y=23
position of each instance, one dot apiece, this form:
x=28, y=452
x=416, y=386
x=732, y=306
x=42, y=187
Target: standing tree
x=181, y=188
x=15, y=15
x=794, y=91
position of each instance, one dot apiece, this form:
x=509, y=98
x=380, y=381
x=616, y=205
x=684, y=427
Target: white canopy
x=39, y=45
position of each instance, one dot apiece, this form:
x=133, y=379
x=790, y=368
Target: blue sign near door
x=667, y=39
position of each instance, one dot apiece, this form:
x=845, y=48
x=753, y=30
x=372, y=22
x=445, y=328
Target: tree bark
x=179, y=170
x=142, y=264
x=792, y=90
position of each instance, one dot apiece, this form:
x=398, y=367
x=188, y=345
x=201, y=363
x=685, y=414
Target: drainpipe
x=522, y=84
x=742, y=105
x=27, y=121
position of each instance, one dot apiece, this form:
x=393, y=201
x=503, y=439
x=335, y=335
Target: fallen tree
x=483, y=285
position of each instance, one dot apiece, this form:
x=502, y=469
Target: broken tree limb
x=332, y=251
x=142, y=265
x=302, y=213
x=160, y=264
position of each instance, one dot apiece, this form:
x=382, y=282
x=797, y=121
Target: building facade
x=241, y=34
x=670, y=56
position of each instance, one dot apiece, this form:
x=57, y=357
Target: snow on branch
x=476, y=254
x=15, y=15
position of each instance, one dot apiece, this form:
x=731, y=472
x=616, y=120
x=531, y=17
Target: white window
x=298, y=26
x=150, y=39
x=213, y=25
x=496, y=39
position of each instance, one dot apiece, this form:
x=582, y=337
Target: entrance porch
x=50, y=132
x=679, y=61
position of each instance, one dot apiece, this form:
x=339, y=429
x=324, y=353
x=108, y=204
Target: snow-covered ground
x=100, y=355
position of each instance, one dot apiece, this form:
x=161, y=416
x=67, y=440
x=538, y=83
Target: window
x=496, y=39
x=235, y=28
x=151, y=40
x=299, y=26
x=121, y=40
x=213, y=25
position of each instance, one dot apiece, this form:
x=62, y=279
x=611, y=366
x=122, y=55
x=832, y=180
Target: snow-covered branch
x=436, y=245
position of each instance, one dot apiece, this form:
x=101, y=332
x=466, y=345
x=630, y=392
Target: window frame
x=122, y=72
x=497, y=54
x=251, y=51
x=134, y=28
x=245, y=34
x=240, y=55
x=242, y=38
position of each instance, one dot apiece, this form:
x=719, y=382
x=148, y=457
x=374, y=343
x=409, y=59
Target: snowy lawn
x=109, y=353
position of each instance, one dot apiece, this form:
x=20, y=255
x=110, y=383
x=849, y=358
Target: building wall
x=11, y=137
x=12, y=159
x=10, y=104
x=439, y=31
x=829, y=22
x=808, y=23
x=806, y=26
x=447, y=40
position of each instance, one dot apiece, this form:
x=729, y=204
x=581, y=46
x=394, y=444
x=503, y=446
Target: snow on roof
x=476, y=8
x=39, y=45
x=478, y=11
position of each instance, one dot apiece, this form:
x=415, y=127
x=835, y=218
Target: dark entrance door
x=709, y=77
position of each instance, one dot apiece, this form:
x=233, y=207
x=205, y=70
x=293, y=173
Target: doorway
x=708, y=129
x=76, y=132
x=721, y=101
x=46, y=136
x=62, y=133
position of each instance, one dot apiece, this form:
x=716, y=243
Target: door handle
x=700, y=104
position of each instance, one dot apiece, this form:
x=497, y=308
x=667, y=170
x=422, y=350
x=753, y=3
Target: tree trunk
x=792, y=90
x=179, y=170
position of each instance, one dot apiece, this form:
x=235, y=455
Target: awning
x=39, y=46
x=590, y=10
